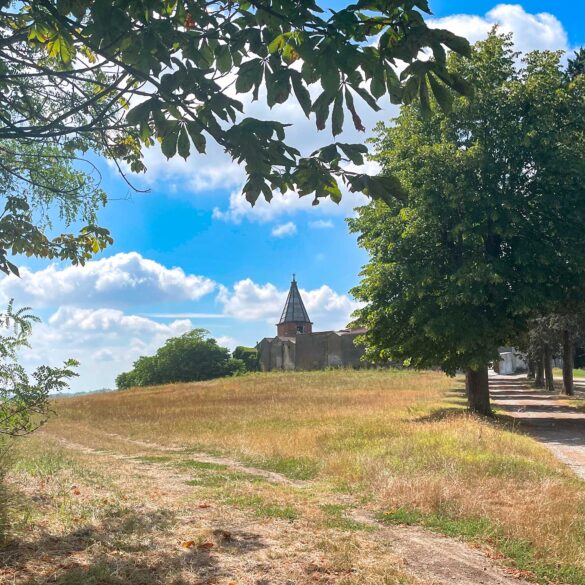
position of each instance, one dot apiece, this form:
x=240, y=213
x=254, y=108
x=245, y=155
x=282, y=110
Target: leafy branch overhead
x=126, y=74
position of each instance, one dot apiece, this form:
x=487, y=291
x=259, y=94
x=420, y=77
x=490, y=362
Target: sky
x=192, y=252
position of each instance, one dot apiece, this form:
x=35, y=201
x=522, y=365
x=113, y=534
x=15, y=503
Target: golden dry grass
x=397, y=442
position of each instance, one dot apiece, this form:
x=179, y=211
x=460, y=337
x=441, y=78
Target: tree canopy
x=123, y=75
x=190, y=357
x=40, y=184
x=489, y=231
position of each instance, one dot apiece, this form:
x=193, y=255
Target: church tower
x=294, y=318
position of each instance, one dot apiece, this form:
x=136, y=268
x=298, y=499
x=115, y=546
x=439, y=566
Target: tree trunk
x=531, y=375
x=539, y=376
x=568, y=363
x=478, y=391
x=548, y=369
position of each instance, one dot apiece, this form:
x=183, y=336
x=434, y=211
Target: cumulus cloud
x=249, y=301
x=284, y=230
x=290, y=203
x=104, y=341
x=531, y=31
x=120, y=280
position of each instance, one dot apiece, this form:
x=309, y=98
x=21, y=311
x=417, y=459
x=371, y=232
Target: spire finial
x=294, y=277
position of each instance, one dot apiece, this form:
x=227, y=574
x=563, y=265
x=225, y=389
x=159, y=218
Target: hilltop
x=306, y=476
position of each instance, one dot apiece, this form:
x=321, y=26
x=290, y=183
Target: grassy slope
x=400, y=441
x=577, y=373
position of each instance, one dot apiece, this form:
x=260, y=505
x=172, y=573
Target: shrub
x=249, y=355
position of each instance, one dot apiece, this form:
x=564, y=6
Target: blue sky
x=192, y=253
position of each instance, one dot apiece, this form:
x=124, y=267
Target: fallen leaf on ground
x=204, y=505
x=205, y=545
x=188, y=544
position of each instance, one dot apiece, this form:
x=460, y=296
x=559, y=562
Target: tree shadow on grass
x=456, y=402
x=122, y=551
x=537, y=412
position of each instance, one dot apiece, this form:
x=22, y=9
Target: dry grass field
x=188, y=483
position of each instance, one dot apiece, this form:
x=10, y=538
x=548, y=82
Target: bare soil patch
x=164, y=530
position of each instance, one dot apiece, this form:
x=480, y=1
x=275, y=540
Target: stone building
x=297, y=347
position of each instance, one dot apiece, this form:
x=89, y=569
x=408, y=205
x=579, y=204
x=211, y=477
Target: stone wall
x=313, y=351
x=329, y=349
x=277, y=354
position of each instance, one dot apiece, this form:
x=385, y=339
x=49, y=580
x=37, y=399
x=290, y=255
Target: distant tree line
x=191, y=357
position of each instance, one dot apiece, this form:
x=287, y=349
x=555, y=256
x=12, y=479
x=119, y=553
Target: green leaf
x=197, y=137
x=169, y=143
x=277, y=44
x=337, y=115
x=301, y=92
x=442, y=94
x=377, y=86
x=333, y=190
x=330, y=79
x=455, y=43
x=394, y=86
x=183, y=143
x=249, y=75
x=13, y=268
x=357, y=121
x=321, y=109
x=277, y=87
x=367, y=98
x=411, y=89
x=425, y=102
x=384, y=188
x=354, y=152
x=139, y=113
x=223, y=58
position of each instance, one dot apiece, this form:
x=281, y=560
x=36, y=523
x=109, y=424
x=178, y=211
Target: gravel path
x=559, y=427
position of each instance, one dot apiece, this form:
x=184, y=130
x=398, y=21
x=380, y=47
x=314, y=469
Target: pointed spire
x=294, y=309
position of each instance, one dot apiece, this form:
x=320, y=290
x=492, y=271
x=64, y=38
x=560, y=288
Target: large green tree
x=488, y=231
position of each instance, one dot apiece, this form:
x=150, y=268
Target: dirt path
x=558, y=426
x=232, y=546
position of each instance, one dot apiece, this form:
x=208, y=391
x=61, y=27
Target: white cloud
x=120, y=280
x=321, y=224
x=200, y=173
x=531, y=31
x=249, y=301
x=185, y=315
x=290, y=203
x=104, y=341
x=227, y=341
x=284, y=230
